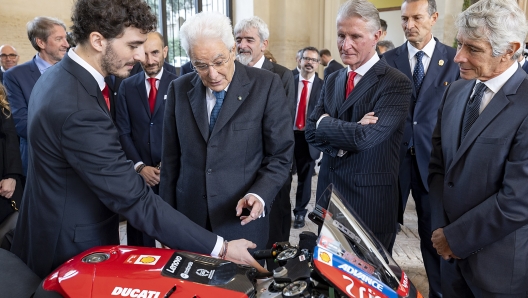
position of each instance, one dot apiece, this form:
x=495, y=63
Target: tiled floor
x=406, y=251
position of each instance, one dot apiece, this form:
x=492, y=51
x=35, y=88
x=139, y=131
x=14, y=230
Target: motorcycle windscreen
x=345, y=243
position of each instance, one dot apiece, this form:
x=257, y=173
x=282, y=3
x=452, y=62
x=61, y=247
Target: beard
x=112, y=65
x=244, y=58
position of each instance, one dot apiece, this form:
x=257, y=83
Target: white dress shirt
x=426, y=59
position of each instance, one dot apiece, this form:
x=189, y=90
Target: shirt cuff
x=263, y=204
x=341, y=153
x=318, y=121
x=137, y=165
x=217, y=247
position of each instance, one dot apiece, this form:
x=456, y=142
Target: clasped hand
x=442, y=246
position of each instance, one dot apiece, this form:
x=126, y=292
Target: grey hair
x=431, y=5
x=363, y=9
x=499, y=22
x=208, y=25
x=41, y=28
x=253, y=22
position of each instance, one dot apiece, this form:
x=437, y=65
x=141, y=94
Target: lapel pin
x=446, y=83
x=441, y=62
x=240, y=98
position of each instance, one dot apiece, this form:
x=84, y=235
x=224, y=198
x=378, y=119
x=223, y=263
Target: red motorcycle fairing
x=139, y=272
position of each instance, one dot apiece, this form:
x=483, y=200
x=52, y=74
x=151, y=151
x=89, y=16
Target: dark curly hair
x=110, y=18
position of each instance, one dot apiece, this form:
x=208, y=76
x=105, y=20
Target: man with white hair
x=358, y=122
x=479, y=164
x=227, y=136
x=251, y=38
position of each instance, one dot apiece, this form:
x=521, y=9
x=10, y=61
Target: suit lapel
x=495, y=106
x=142, y=91
x=235, y=96
x=339, y=92
x=163, y=86
x=366, y=82
x=267, y=65
x=86, y=80
x=314, y=95
x=199, y=105
x=434, y=68
x=35, y=72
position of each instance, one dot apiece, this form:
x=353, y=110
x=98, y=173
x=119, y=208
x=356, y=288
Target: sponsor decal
x=302, y=258
x=345, y=230
x=185, y=274
x=360, y=291
x=131, y=259
x=174, y=264
x=403, y=288
x=204, y=272
x=147, y=260
x=371, y=281
x=325, y=257
x=134, y=293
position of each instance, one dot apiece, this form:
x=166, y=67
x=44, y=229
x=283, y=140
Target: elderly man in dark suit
x=227, y=136
x=330, y=64
x=307, y=94
x=251, y=37
x=479, y=164
x=140, y=110
x=79, y=176
x=359, y=128
x=48, y=37
x=429, y=64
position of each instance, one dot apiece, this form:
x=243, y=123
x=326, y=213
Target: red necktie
x=350, y=83
x=152, y=94
x=106, y=95
x=301, y=110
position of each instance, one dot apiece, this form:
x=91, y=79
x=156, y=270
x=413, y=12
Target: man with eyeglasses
x=251, y=38
x=8, y=58
x=48, y=38
x=307, y=94
x=227, y=136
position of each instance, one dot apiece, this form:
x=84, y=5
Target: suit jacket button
x=204, y=197
x=406, y=143
x=209, y=171
x=332, y=169
x=450, y=184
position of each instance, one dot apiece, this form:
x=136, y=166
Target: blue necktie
x=216, y=110
x=419, y=72
x=472, y=109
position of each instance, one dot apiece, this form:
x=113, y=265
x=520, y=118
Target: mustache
x=244, y=51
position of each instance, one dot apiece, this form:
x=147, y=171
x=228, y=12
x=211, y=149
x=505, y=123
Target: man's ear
x=97, y=41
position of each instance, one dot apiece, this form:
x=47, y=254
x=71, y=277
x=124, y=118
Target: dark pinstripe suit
x=367, y=175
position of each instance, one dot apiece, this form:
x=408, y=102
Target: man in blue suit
x=308, y=87
x=48, y=37
x=139, y=120
x=8, y=59
x=431, y=74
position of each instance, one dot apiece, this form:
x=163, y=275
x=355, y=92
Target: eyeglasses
x=10, y=56
x=204, y=67
x=308, y=59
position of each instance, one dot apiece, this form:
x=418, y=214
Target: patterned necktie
x=216, y=110
x=350, y=83
x=472, y=109
x=419, y=72
x=106, y=95
x=300, y=121
x=152, y=94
